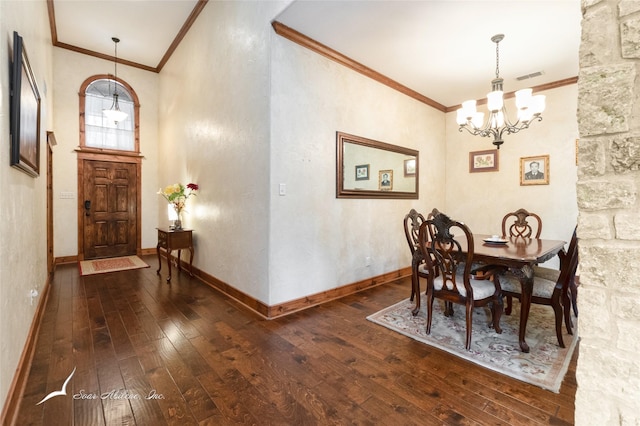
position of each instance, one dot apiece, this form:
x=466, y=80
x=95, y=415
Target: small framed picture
x=385, y=180
x=534, y=170
x=362, y=172
x=483, y=161
x=410, y=167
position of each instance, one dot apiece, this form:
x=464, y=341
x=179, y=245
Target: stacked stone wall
x=608, y=371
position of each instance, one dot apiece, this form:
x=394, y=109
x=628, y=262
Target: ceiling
x=440, y=49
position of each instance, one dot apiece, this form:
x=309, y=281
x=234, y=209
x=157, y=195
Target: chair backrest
x=450, y=257
x=412, y=222
x=515, y=224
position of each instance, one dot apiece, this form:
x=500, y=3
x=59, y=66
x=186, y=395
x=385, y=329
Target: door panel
x=110, y=221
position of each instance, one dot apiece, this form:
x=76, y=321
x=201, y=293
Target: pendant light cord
x=116, y=40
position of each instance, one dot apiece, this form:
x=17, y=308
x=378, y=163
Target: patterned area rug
x=113, y=264
x=544, y=366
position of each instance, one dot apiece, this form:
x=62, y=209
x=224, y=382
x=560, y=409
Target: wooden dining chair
x=524, y=224
x=550, y=287
x=449, y=264
x=521, y=224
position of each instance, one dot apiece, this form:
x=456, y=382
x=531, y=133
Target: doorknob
x=87, y=207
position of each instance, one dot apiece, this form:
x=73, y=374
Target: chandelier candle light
x=114, y=113
x=177, y=195
x=529, y=107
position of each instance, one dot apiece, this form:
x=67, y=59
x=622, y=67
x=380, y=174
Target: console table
x=170, y=239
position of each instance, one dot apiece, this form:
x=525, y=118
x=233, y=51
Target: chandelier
x=114, y=113
x=529, y=109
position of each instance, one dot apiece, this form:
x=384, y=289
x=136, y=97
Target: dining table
x=519, y=255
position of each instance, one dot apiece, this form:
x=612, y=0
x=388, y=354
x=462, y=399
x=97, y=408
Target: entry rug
x=545, y=365
x=113, y=264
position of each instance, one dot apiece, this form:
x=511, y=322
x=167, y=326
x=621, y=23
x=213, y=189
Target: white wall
x=214, y=131
x=319, y=242
x=482, y=199
x=71, y=70
x=23, y=226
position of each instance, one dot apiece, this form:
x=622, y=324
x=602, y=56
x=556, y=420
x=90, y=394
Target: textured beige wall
x=609, y=163
x=214, y=131
x=318, y=242
x=23, y=213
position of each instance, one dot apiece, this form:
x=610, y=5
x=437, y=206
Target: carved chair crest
x=521, y=228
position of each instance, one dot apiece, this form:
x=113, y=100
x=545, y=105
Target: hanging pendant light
x=529, y=107
x=114, y=113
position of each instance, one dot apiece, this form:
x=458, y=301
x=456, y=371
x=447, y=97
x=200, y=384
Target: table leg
x=190, y=261
x=169, y=263
x=159, y=259
x=179, y=266
x=525, y=276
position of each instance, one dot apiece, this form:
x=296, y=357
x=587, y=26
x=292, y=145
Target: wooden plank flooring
x=150, y=353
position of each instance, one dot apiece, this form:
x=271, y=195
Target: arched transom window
x=101, y=132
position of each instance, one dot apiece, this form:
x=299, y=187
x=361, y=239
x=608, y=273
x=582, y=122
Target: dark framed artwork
x=362, y=172
x=483, y=161
x=385, y=180
x=25, y=112
x=410, y=167
x=534, y=170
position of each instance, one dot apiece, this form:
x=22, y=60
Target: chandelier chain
x=497, y=59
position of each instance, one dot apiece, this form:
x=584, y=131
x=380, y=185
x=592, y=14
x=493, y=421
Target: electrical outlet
x=367, y=261
x=283, y=189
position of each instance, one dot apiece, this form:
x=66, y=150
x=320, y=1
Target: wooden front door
x=110, y=209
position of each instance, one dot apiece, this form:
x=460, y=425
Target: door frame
x=122, y=157
x=51, y=142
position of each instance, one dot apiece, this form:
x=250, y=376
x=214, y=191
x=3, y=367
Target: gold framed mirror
x=366, y=168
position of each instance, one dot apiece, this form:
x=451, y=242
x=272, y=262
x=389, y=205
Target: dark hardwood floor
x=202, y=358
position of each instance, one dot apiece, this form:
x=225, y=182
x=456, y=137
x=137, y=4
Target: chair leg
x=414, y=277
x=448, y=309
x=573, y=288
x=496, y=314
x=566, y=308
x=415, y=287
x=557, y=309
x=429, y=311
x=509, y=307
x=469, y=317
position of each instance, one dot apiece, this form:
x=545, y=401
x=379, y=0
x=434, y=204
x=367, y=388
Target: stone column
x=608, y=371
